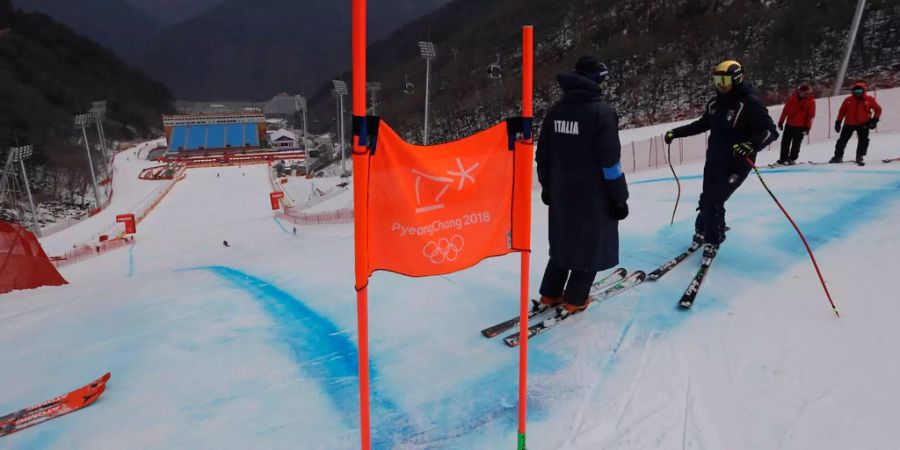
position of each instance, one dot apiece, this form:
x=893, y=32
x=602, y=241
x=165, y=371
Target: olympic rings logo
x=444, y=250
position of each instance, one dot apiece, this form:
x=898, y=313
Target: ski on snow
x=822, y=163
x=690, y=294
x=537, y=308
x=890, y=160
x=669, y=265
x=560, y=315
x=53, y=408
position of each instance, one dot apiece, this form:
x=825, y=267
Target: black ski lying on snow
x=690, y=294
x=560, y=315
x=537, y=308
x=890, y=160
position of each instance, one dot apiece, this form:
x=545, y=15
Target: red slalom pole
x=803, y=238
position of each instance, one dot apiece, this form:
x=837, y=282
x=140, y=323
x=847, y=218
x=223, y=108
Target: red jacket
x=800, y=112
x=858, y=110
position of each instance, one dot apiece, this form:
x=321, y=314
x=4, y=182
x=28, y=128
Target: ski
x=541, y=327
x=890, y=160
x=690, y=294
x=821, y=163
x=537, y=308
x=776, y=165
x=669, y=265
x=54, y=407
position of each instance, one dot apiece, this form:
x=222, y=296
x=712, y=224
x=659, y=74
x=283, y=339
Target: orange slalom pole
x=527, y=113
x=360, y=220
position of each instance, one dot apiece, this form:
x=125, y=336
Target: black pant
x=577, y=288
x=862, y=132
x=790, y=143
x=719, y=182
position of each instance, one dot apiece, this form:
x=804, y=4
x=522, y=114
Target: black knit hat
x=591, y=68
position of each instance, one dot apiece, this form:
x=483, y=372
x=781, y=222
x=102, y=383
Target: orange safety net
x=23, y=263
x=443, y=208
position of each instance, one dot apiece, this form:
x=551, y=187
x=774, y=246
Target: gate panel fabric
x=23, y=263
x=439, y=209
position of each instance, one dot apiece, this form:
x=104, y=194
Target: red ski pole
x=677, y=182
x=803, y=238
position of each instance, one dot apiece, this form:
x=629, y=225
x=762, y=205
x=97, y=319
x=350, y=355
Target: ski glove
x=780, y=126
x=873, y=123
x=545, y=196
x=619, y=210
x=743, y=149
x=837, y=126
x=670, y=136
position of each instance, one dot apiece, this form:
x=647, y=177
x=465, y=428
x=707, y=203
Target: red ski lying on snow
x=53, y=408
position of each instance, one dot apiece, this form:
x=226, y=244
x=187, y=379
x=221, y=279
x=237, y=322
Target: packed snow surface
x=254, y=345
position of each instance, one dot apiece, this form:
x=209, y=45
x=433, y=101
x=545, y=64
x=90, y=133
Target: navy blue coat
x=578, y=166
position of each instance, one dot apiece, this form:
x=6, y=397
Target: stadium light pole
x=301, y=104
x=20, y=154
x=373, y=87
x=340, y=88
x=851, y=39
x=98, y=109
x=427, y=50
x=82, y=120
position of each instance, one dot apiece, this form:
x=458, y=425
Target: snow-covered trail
x=253, y=346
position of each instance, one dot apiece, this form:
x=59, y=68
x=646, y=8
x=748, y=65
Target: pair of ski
x=690, y=294
x=611, y=285
x=53, y=408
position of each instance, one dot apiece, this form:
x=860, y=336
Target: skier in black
x=739, y=125
x=583, y=185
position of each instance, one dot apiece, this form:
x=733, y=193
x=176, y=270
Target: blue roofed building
x=205, y=134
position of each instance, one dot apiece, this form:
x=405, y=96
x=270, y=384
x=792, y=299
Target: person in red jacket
x=800, y=110
x=860, y=113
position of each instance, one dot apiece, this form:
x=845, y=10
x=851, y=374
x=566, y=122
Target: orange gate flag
x=443, y=208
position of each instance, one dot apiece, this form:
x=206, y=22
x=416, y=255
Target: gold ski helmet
x=727, y=75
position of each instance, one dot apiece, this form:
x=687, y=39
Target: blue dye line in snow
x=131, y=260
x=280, y=225
x=323, y=353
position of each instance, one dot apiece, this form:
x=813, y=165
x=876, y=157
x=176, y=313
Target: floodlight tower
x=20, y=154
x=98, y=109
x=82, y=120
x=301, y=105
x=340, y=89
x=373, y=87
x=851, y=38
x=429, y=53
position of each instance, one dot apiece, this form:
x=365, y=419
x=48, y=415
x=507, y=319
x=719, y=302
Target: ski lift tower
x=82, y=120
x=340, y=89
x=20, y=154
x=429, y=53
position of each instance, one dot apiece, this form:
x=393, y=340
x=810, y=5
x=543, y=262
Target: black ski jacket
x=578, y=165
x=732, y=118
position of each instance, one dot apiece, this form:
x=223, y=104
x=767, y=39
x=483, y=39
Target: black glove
x=837, y=126
x=545, y=196
x=873, y=123
x=669, y=137
x=781, y=126
x=619, y=210
x=743, y=149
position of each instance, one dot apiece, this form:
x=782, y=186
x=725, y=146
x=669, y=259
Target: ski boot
x=550, y=302
x=710, y=251
x=859, y=161
x=836, y=160
x=568, y=308
x=697, y=241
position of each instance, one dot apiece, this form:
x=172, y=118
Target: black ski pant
x=719, y=182
x=573, y=285
x=790, y=143
x=862, y=132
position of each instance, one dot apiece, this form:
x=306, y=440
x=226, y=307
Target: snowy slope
x=254, y=346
